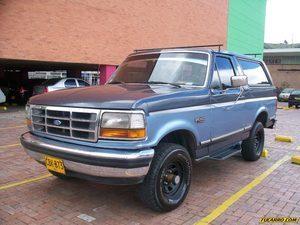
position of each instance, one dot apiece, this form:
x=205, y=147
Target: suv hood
x=117, y=96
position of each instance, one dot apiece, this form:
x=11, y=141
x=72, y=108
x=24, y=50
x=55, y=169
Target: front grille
x=76, y=123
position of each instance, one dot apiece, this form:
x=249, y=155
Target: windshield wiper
x=161, y=82
x=149, y=82
x=117, y=82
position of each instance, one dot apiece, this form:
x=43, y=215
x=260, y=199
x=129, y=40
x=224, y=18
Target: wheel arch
x=262, y=116
x=182, y=137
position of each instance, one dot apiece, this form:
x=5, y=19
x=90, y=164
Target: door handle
x=216, y=91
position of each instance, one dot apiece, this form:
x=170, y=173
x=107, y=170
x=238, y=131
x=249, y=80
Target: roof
x=281, y=45
x=282, y=52
x=196, y=49
x=192, y=47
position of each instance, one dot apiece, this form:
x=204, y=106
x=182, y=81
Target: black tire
x=168, y=181
x=290, y=105
x=59, y=175
x=253, y=146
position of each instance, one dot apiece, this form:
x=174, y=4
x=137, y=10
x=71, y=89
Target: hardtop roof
x=195, y=50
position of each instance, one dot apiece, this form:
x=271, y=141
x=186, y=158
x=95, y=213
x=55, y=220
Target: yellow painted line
x=9, y=146
x=235, y=197
x=27, y=181
x=6, y=128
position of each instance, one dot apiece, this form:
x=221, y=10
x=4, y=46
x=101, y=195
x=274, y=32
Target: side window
x=254, y=71
x=215, y=82
x=82, y=83
x=225, y=70
x=70, y=83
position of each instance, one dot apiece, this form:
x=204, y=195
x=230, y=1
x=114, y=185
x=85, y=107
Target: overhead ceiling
x=44, y=65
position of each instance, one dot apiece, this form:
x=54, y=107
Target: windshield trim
x=174, y=51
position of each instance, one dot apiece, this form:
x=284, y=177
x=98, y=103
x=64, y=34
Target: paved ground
x=53, y=201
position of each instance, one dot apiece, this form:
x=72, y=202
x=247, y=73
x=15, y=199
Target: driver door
x=226, y=122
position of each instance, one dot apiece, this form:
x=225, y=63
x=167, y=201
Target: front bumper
x=103, y=165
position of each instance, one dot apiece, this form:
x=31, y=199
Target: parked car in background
x=285, y=94
x=11, y=94
x=2, y=97
x=294, y=99
x=58, y=84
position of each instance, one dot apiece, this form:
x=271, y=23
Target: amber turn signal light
x=122, y=133
x=28, y=122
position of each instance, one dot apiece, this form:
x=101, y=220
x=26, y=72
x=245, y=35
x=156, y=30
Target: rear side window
x=255, y=72
x=225, y=70
x=82, y=83
x=70, y=83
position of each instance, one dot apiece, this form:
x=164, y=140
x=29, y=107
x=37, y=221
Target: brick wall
x=104, y=32
x=284, y=74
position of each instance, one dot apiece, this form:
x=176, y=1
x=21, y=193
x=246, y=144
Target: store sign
x=272, y=60
x=47, y=74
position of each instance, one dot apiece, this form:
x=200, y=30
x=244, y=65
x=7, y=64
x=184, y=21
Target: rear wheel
x=168, y=180
x=253, y=146
x=290, y=105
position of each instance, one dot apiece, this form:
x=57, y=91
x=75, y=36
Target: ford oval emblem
x=57, y=122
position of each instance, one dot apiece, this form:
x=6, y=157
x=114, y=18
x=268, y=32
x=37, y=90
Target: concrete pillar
x=1, y=73
x=105, y=72
x=75, y=73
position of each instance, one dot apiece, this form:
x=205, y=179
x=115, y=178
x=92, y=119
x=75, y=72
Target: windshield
x=296, y=92
x=172, y=68
x=287, y=90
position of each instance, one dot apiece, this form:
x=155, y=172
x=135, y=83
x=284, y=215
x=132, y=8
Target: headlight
x=28, y=116
x=122, y=125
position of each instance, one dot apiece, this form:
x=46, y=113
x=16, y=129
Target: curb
x=283, y=138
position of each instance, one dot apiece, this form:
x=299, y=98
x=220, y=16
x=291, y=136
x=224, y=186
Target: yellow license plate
x=55, y=164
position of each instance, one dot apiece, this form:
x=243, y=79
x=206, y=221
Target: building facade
x=246, y=26
x=97, y=35
x=284, y=66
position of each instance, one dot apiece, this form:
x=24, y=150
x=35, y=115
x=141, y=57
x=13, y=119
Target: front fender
x=158, y=132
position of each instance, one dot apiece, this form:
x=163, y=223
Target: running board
x=226, y=153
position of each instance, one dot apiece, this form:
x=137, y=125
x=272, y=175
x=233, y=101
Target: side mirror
x=239, y=81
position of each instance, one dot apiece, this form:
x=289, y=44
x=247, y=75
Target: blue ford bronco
x=161, y=111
